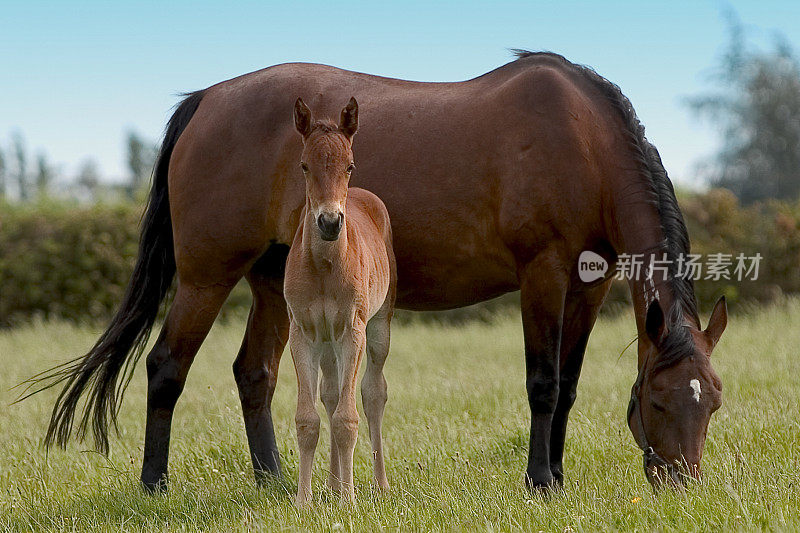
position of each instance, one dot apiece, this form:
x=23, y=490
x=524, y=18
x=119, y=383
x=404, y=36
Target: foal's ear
x=654, y=323
x=348, y=121
x=717, y=322
x=302, y=118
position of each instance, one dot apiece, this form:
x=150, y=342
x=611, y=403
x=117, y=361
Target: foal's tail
x=107, y=369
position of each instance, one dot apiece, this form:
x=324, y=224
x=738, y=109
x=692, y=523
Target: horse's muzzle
x=330, y=225
x=661, y=474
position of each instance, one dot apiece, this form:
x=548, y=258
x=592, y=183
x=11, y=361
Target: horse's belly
x=445, y=277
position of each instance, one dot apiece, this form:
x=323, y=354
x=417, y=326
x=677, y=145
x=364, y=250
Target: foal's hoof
x=303, y=499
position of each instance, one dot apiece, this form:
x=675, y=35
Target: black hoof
x=540, y=483
x=558, y=477
x=266, y=478
x=154, y=487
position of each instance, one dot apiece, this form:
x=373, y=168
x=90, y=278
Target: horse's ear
x=717, y=322
x=654, y=322
x=302, y=118
x=348, y=121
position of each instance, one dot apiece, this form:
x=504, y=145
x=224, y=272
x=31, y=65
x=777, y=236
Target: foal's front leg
x=344, y=423
x=306, y=364
x=329, y=391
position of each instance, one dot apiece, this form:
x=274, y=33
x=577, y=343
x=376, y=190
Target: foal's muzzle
x=330, y=225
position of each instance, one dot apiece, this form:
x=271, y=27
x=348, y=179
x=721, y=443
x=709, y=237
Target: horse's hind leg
x=580, y=314
x=192, y=313
x=373, y=391
x=256, y=370
x=329, y=391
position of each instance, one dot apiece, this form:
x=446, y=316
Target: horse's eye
x=350, y=168
x=304, y=167
x=657, y=407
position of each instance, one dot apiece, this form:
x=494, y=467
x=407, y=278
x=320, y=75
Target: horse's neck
x=638, y=238
x=323, y=253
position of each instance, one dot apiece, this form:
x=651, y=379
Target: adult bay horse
x=492, y=185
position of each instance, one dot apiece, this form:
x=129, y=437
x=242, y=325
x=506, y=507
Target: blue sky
x=77, y=75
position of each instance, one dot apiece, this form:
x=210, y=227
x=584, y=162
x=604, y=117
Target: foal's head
x=675, y=394
x=327, y=163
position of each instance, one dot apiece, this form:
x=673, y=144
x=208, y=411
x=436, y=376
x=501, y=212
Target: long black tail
x=104, y=372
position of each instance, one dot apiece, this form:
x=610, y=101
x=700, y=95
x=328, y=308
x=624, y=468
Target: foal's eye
x=304, y=167
x=350, y=168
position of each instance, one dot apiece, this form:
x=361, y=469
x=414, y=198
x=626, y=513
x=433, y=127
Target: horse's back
x=472, y=172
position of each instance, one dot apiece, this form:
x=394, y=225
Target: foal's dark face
x=675, y=403
x=327, y=163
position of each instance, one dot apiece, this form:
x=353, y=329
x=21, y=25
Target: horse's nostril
x=330, y=225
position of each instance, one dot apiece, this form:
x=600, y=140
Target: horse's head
x=327, y=162
x=675, y=394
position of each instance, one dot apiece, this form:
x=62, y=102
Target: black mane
x=678, y=343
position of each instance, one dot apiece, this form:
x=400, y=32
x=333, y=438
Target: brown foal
x=340, y=289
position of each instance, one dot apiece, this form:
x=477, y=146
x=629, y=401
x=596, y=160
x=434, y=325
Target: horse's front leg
x=306, y=365
x=344, y=423
x=543, y=286
x=580, y=313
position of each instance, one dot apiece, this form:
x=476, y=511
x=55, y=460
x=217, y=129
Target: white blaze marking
x=695, y=385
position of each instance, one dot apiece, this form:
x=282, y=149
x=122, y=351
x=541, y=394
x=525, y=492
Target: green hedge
x=66, y=261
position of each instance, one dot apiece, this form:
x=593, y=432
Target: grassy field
x=456, y=437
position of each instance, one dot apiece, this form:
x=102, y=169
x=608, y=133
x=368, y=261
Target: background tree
x=44, y=175
x=2, y=176
x=18, y=144
x=141, y=158
x=88, y=178
x=757, y=107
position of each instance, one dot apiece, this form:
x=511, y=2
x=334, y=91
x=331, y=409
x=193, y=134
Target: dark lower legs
x=579, y=317
x=191, y=316
x=543, y=288
x=256, y=370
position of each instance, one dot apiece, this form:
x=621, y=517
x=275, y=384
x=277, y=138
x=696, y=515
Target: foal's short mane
x=678, y=343
x=325, y=125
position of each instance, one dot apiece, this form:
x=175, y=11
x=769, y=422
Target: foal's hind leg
x=190, y=317
x=256, y=370
x=329, y=391
x=373, y=391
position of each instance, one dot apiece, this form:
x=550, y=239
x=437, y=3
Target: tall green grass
x=456, y=436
